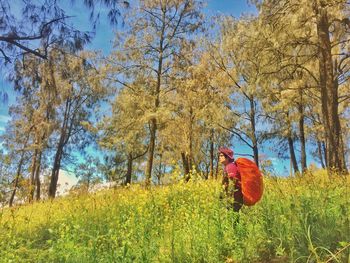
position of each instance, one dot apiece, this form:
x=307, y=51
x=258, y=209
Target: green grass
x=298, y=220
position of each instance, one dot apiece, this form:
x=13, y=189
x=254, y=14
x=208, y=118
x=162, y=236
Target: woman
x=231, y=180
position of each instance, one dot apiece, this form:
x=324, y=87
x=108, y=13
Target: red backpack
x=252, y=181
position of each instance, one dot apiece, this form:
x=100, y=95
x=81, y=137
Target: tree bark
x=344, y=169
x=153, y=129
x=211, y=165
x=293, y=159
x=37, y=177
x=65, y=134
x=18, y=174
x=253, y=134
x=189, y=156
x=159, y=170
x=320, y=154
x=302, y=138
x=32, y=176
x=129, y=169
x=152, y=142
x=19, y=170
x=55, y=171
x=185, y=164
x=324, y=148
x=329, y=92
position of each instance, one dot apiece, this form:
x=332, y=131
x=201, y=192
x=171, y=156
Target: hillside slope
x=298, y=220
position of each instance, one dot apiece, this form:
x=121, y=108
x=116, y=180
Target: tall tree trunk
x=324, y=149
x=129, y=169
x=187, y=157
x=253, y=134
x=18, y=174
x=32, y=176
x=185, y=164
x=19, y=170
x=37, y=177
x=151, y=148
x=160, y=172
x=320, y=154
x=329, y=91
x=211, y=165
x=64, y=136
x=302, y=137
x=293, y=159
x=55, y=171
x=190, y=145
x=38, y=165
x=344, y=169
x=153, y=129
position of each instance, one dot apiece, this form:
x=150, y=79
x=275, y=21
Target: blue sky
x=103, y=41
x=229, y=7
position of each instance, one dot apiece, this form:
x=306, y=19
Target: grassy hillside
x=298, y=220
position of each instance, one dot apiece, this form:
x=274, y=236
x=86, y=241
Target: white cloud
x=65, y=182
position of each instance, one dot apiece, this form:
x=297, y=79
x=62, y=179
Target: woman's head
x=225, y=155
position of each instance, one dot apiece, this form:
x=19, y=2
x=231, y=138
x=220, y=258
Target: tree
x=124, y=131
x=236, y=54
x=88, y=173
x=38, y=99
x=16, y=142
x=78, y=88
x=32, y=27
x=6, y=177
x=198, y=107
x=157, y=29
x=322, y=28
x=61, y=93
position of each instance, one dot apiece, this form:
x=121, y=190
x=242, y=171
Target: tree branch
x=34, y=52
x=7, y=59
x=237, y=134
x=141, y=154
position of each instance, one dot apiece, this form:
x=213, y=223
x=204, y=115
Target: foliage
x=298, y=220
x=32, y=27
